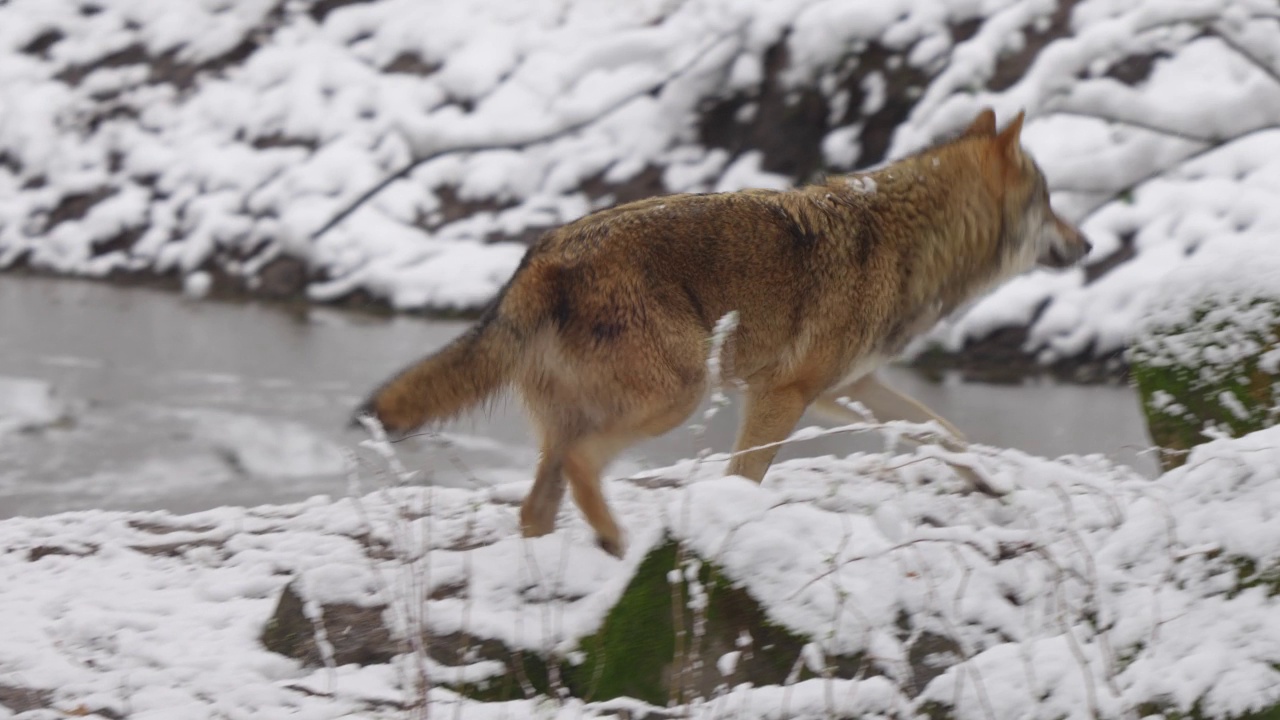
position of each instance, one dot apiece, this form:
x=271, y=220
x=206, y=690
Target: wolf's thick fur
x=604, y=327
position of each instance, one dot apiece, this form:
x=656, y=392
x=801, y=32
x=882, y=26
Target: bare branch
x=1111, y=195
x=1216, y=30
x=1212, y=28
x=520, y=144
x=1142, y=124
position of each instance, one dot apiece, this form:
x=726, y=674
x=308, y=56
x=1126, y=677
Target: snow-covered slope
x=1084, y=591
x=213, y=139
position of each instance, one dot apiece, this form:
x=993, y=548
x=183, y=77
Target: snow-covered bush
x=1206, y=358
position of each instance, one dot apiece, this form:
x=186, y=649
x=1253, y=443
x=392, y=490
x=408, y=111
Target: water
x=186, y=405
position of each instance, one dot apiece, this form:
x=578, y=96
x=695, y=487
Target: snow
x=266, y=449
x=1216, y=315
x=864, y=184
x=1084, y=591
x=293, y=110
x=28, y=405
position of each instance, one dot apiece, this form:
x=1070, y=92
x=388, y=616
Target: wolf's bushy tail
x=463, y=374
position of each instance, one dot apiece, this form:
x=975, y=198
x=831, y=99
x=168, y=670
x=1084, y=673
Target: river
x=170, y=403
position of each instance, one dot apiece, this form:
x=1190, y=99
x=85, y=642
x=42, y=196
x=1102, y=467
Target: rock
x=644, y=650
x=283, y=277
x=1206, y=361
x=357, y=634
x=21, y=700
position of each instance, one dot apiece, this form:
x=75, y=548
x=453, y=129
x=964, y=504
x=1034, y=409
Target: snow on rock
x=1231, y=297
x=1206, y=357
x=27, y=404
x=1085, y=591
x=197, y=138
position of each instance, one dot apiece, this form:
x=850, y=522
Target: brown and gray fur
x=604, y=328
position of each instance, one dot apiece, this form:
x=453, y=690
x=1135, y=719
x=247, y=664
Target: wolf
x=605, y=326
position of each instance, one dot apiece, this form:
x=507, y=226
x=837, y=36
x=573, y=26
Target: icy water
x=164, y=402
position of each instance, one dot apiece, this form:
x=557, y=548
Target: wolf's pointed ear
x=1007, y=140
x=982, y=126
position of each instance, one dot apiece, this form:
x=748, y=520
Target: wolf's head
x=1034, y=233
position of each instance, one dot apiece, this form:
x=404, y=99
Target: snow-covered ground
x=160, y=137
x=1083, y=591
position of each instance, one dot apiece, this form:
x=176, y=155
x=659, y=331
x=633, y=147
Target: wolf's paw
x=613, y=546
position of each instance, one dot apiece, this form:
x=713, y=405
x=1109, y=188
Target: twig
x=412, y=602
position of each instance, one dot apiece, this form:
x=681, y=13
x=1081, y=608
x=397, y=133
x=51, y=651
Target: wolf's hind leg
x=538, y=512
x=884, y=402
x=586, y=459
x=887, y=404
x=583, y=464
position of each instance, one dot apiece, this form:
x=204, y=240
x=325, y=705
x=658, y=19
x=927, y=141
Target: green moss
x=1196, y=713
x=635, y=652
x=632, y=653
x=1249, y=575
x=522, y=668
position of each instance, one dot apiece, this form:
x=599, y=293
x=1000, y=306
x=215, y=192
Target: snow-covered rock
x=1206, y=358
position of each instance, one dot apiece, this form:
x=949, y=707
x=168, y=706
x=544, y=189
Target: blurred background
x=223, y=222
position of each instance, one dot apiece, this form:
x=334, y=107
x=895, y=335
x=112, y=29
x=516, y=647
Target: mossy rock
x=647, y=647
x=647, y=651
x=1208, y=365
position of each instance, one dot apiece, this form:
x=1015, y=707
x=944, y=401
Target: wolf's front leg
x=769, y=416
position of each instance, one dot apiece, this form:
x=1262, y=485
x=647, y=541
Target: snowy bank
x=1082, y=591
x=212, y=141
